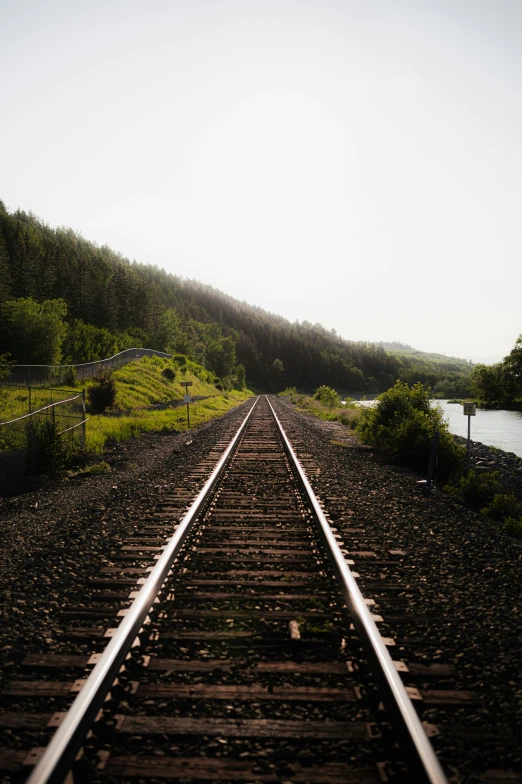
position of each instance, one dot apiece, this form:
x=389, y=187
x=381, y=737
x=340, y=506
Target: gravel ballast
x=466, y=569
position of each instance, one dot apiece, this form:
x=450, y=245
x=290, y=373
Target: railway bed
x=247, y=666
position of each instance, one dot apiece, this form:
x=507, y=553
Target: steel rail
x=59, y=755
x=423, y=760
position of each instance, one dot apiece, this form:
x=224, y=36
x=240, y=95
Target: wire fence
x=35, y=375
x=65, y=417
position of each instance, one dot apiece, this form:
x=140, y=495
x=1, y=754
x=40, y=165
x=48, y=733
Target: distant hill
x=446, y=363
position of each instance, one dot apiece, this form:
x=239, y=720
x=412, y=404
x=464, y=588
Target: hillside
x=447, y=376
x=100, y=303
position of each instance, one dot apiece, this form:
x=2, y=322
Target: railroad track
x=245, y=653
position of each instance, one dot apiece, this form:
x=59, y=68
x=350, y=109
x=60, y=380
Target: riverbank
x=495, y=428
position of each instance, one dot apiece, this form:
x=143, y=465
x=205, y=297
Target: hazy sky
x=356, y=163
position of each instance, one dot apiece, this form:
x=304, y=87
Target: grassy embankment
x=139, y=386
x=347, y=414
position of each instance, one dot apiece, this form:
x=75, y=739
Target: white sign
x=186, y=398
x=470, y=409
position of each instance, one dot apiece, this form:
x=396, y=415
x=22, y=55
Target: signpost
x=469, y=410
x=186, y=399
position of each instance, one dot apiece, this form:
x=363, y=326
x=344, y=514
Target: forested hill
x=109, y=303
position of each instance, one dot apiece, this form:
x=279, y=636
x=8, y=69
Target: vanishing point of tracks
x=245, y=654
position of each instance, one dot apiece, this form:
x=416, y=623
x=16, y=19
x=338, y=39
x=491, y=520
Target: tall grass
x=104, y=429
x=139, y=385
x=347, y=414
x=143, y=383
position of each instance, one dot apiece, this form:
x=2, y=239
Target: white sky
x=355, y=163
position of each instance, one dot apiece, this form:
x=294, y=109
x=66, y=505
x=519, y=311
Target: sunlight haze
x=356, y=164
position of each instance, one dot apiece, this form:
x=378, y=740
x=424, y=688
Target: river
x=502, y=429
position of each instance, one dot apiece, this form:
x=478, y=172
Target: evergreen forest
x=66, y=300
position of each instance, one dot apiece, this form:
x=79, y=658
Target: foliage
x=403, y=424
x=476, y=488
x=240, y=382
x=447, y=376
x=5, y=370
x=513, y=525
x=500, y=385
x=346, y=414
x=168, y=331
x=87, y=343
x=5, y=366
x=104, y=291
x=31, y=332
x=169, y=373
x=133, y=304
x=69, y=376
x=103, y=429
x=142, y=384
x=502, y=506
x=483, y=490
x=327, y=396
x=102, y=391
x=290, y=392
x=48, y=452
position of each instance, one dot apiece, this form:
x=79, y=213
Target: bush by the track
x=403, y=424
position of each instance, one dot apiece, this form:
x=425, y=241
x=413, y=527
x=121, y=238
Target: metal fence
x=34, y=375
x=66, y=416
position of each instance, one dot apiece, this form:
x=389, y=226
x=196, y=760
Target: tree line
x=500, y=385
x=87, y=302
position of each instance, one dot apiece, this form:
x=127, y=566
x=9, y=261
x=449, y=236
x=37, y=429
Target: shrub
x=476, y=489
x=169, y=373
x=48, y=452
x=69, y=376
x=403, y=424
x=327, y=396
x=180, y=360
x=513, y=525
x=102, y=392
x=503, y=506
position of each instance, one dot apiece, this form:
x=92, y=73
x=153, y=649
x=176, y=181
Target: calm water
x=502, y=429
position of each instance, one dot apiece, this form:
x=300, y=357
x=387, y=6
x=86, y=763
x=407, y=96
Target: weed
x=513, y=525
x=98, y=468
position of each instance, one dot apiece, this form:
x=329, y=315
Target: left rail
x=59, y=755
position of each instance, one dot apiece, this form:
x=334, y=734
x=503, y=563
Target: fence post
x=84, y=429
x=29, y=391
